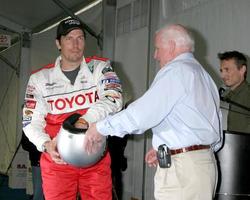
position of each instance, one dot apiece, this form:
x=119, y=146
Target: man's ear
x=171, y=46
x=243, y=70
x=58, y=45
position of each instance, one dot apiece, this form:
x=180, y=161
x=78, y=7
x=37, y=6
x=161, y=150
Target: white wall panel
x=131, y=59
x=9, y=90
x=218, y=26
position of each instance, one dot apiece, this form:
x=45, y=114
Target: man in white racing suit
x=73, y=84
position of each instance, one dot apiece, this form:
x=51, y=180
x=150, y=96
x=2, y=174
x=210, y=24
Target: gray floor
x=7, y=193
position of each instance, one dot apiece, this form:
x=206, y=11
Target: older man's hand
x=151, y=158
x=93, y=139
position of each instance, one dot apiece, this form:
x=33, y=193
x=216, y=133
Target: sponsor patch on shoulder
x=113, y=95
x=28, y=112
x=30, y=89
x=25, y=123
x=30, y=104
x=27, y=118
x=107, y=69
x=111, y=99
x=29, y=96
x=111, y=80
x=110, y=75
x=113, y=86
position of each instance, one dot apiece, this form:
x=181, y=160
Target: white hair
x=179, y=34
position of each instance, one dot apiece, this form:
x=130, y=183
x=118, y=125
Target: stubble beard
x=75, y=57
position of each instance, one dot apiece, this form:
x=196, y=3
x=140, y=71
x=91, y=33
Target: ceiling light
x=76, y=13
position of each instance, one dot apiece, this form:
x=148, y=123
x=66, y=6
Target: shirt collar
x=182, y=56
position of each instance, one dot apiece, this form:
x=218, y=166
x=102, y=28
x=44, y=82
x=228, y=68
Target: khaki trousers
x=192, y=176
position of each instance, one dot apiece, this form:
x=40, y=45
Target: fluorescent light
x=88, y=7
x=76, y=13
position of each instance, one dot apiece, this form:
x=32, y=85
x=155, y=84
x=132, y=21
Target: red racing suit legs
x=63, y=181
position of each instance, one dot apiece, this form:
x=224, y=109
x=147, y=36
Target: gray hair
x=178, y=33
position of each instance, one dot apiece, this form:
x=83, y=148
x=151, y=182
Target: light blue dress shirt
x=181, y=107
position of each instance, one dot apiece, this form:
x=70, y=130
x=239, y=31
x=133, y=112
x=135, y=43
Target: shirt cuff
x=103, y=127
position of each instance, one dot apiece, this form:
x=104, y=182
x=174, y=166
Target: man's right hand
x=51, y=149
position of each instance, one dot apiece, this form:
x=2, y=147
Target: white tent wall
x=131, y=54
x=9, y=82
x=12, y=81
x=132, y=60
x=19, y=166
x=218, y=26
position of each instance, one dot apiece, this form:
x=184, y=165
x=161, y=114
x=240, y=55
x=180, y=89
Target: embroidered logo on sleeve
x=30, y=104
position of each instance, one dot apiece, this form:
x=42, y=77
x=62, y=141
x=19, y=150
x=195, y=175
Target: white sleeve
x=109, y=91
x=147, y=111
x=34, y=113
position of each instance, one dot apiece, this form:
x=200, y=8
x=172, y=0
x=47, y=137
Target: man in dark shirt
x=233, y=68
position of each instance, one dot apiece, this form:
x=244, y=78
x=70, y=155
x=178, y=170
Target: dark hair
x=239, y=58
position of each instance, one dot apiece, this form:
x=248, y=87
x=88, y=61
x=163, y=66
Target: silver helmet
x=70, y=144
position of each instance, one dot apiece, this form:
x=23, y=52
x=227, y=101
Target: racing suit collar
x=59, y=75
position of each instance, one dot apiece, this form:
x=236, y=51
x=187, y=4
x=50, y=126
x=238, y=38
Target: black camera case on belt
x=164, y=156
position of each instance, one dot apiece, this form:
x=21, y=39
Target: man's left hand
x=93, y=139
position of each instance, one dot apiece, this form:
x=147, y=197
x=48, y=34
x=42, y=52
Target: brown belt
x=190, y=148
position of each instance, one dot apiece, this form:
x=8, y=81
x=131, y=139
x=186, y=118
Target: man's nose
x=222, y=74
x=75, y=42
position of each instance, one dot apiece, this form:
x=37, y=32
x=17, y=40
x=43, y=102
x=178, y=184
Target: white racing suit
x=50, y=98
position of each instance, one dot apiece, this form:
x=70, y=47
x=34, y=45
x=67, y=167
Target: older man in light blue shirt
x=182, y=109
